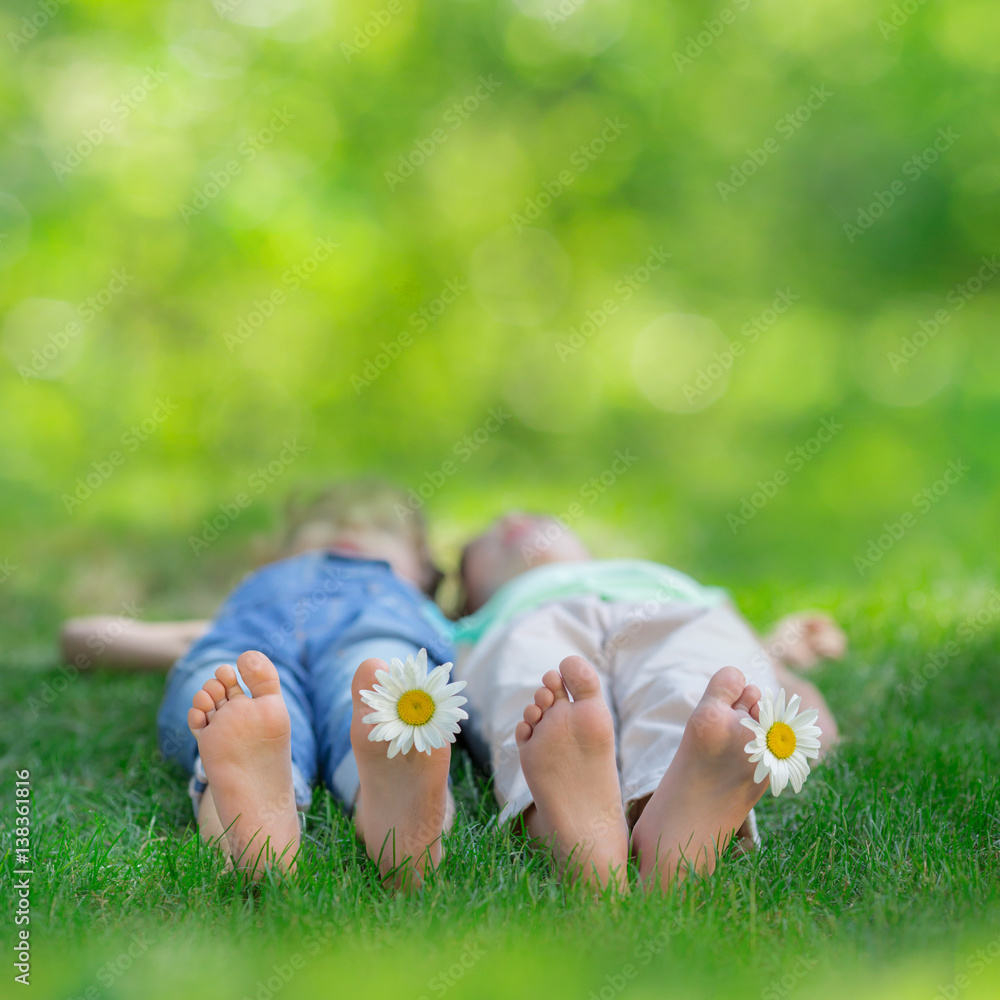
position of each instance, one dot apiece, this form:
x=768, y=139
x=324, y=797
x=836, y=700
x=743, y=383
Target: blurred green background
x=177, y=163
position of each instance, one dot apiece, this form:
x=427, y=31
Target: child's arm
x=126, y=644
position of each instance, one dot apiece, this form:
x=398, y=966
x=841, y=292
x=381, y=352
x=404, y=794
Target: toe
x=544, y=698
x=259, y=674
x=216, y=690
x=522, y=733
x=197, y=719
x=726, y=684
x=364, y=678
x=203, y=702
x=226, y=676
x=554, y=682
x=748, y=700
x=532, y=715
x=580, y=678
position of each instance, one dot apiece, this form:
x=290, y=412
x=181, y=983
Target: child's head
x=514, y=544
x=364, y=517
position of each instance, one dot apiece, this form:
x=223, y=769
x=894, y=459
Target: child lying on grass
x=297, y=631
x=655, y=637
x=648, y=756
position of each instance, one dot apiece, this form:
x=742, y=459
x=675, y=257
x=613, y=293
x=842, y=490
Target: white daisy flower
x=414, y=708
x=782, y=742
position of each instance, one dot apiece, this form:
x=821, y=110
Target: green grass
x=881, y=879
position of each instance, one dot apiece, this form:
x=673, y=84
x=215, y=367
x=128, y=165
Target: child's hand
x=803, y=639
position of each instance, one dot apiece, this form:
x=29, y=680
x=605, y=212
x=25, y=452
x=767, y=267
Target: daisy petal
x=798, y=775
x=792, y=708
x=438, y=677
x=437, y=737
x=779, y=777
x=392, y=729
x=766, y=710
x=382, y=715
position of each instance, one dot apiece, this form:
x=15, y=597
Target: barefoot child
x=655, y=637
x=296, y=632
x=648, y=755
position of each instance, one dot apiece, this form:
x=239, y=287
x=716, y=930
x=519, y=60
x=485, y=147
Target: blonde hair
x=311, y=522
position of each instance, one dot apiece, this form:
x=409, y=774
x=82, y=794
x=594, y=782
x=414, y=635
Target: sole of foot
x=567, y=753
x=245, y=747
x=403, y=805
x=708, y=790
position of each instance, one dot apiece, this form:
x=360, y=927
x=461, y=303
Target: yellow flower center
x=415, y=708
x=781, y=740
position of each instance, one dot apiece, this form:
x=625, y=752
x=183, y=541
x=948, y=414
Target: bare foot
x=801, y=640
x=403, y=805
x=708, y=790
x=245, y=747
x=568, y=758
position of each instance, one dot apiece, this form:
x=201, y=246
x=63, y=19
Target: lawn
x=882, y=879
